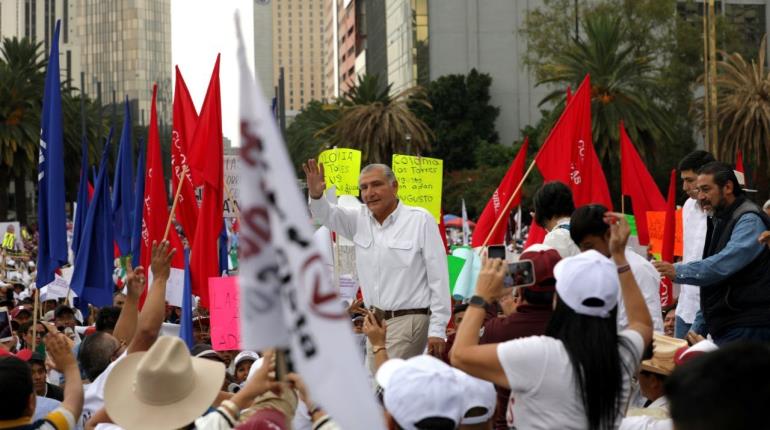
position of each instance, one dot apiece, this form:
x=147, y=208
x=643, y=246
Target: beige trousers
x=407, y=336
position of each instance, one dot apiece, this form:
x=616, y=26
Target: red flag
x=569, y=94
x=442, y=231
x=185, y=121
x=206, y=160
x=637, y=183
x=739, y=162
x=669, y=237
x=494, y=208
x=536, y=234
x=568, y=153
x=155, y=210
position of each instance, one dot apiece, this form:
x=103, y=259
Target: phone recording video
x=520, y=274
x=496, y=251
x=6, y=332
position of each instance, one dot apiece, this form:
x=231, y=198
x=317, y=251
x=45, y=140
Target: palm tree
x=623, y=82
x=21, y=87
x=743, y=109
x=378, y=124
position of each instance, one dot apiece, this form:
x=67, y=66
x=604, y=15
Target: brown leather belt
x=393, y=314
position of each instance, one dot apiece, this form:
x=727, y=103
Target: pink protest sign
x=225, y=311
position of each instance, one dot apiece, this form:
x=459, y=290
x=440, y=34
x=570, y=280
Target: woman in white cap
x=578, y=375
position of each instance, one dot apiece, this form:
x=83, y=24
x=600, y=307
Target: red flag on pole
x=185, y=121
x=492, y=211
x=568, y=153
x=637, y=183
x=739, y=162
x=206, y=160
x=536, y=234
x=669, y=237
x=569, y=94
x=155, y=210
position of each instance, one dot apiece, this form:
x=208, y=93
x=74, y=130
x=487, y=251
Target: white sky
x=199, y=30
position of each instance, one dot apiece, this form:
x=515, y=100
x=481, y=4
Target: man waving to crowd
x=400, y=259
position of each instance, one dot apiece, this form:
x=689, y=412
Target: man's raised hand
x=314, y=175
x=162, y=254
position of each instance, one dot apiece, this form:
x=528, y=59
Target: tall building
x=125, y=46
x=263, y=46
x=344, y=44
x=36, y=19
x=298, y=47
x=407, y=31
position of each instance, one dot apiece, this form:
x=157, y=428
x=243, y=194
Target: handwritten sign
x=419, y=182
x=656, y=222
x=341, y=168
x=232, y=181
x=225, y=313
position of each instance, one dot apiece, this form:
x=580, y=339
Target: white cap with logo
x=588, y=283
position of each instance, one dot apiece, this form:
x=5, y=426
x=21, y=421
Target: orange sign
x=656, y=222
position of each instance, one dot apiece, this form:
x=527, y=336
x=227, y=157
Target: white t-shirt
x=559, y=238
x=694, y=229
x=648, y=280
x=542, y=381
x=93, y=393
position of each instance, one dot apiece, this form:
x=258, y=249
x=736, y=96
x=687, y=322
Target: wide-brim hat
x=163, y=388
x=664, y=350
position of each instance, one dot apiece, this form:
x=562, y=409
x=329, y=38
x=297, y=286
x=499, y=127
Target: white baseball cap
x=245, y=355
x=588, y=283
x=479, y=394
x=419, y=388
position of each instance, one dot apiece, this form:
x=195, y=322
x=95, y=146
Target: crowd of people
x=585, y=344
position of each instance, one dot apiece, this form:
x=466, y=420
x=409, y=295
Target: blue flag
x=92, y=277
x=52, y=246
x=82, y=206
x=136, y=229
x=123, y=187
x=224, y=254
x=185, y=321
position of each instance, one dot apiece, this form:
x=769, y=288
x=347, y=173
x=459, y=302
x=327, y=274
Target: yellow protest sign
x=342, y=167
x=419, y=182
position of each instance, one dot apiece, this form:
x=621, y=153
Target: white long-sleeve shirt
x=401, y=263
x=694, y=230
x=648, y=280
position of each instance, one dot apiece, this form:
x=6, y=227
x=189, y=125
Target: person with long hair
x=578, y=376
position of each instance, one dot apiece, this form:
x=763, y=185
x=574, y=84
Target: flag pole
x=509, y=202
x=176, y=200
x=35, y=308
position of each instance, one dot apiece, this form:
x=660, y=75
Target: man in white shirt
x=589, y=231
x=400, y=259
x=694, y=229
x=553, y=207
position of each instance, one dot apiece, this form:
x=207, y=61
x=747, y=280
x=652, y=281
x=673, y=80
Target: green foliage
x=462, y=118
x=308, y=134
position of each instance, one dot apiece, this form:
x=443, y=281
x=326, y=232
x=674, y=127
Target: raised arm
x=57, y=346
x=126, y=325
x=637, y=312
x=338, y=219
x=154, y=311
x=467, y=355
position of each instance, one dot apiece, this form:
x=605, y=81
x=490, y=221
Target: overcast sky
x=199, y=30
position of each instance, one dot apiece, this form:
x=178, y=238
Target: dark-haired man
x=694, y=231
x=42, y=387
x=733, y=276
x=590, y=231
x=553, y=208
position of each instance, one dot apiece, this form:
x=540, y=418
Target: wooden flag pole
x=509, y=202
x=176, y=200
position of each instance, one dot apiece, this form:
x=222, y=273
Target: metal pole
x=282, y=101
x=82, y=103
x=577, y=21
x=713, y=79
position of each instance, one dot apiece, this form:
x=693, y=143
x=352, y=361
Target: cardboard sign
x=225, y=313
x=231, y=178
x=419, y=182
x=656, y=222
x=341, y=168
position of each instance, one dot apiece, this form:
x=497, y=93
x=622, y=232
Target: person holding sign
x=400, y=259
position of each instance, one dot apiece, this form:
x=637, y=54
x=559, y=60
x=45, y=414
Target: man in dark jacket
x=733, y=275
x=42, y=387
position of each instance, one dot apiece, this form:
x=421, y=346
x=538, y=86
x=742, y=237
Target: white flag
x=315, y=325
x=466, y=230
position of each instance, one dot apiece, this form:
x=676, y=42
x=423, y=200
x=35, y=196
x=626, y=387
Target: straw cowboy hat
x=664, y=349
x=163, y=388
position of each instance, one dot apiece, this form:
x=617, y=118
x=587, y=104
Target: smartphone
x=6, y=332
x=496, y=251
x=520, y=274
